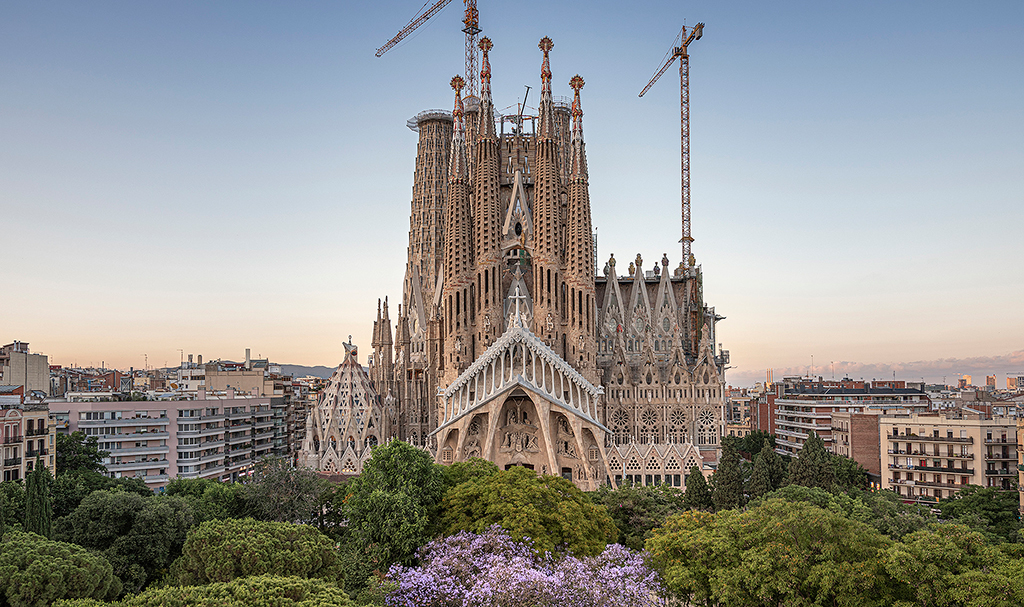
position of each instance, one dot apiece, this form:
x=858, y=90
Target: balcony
x=14, y=440
x=897, y=481
x=239, y=415
x=213, y=418
x=124, y=421
x=12, y=461
x=30, y=454
x=154, y=450
x=1006, y=457
x=37, y=432
x=213, y=457
x=137, y=465
x=203, y=432
x=932, y=469
x=1001, y=472
x=153, y=478
x=235, y=440
x=909, y=438
x=1000, y=441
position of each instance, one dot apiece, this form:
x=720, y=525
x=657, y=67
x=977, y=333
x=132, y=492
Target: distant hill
x=303, y=371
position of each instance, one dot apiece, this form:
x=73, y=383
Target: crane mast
x=471, y=20
x=681, y=53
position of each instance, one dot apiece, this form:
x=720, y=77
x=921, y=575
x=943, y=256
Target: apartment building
x=855, y=435
x=932, y=456
x=19, y=367
x=27, y=434
x=805, y=406
x=217, y=436
x=1020, y=464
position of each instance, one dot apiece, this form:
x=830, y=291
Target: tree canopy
x=637, y=510
x=549, y=510
x=256, y=591
x=35, y=571
x=223, y=550
x=777, y=553
x=989, y=510
x=76, y=451
x=140, y=536
x=277, y=491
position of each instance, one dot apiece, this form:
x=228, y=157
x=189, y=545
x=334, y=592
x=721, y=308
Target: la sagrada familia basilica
x=512, y=342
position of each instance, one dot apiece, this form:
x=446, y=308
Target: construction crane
x=684, y=118
x=471, y=20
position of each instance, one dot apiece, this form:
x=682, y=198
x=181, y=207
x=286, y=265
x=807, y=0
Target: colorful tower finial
x=457, y=85
x=545, y=70
x=485, y=67
x=576, y=83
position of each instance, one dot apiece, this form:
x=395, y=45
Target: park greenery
x=763, y=529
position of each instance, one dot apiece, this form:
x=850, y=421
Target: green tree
x=12, y=503
x=392, y=508
x=848, y=474
x=778, y=553
x=210, y=499
x=950, y=565
x=727, y=481
x=69, y=489
x=761, y=479
x=637, y=510
x=140, y=536
x=277, y=491
x=989, y=510
x=38, y=509
x=35, y=571
x=75, y=451
x=698, y=494
x=459, y=472
x=550, y=510
x=813, y=466
x=220, y=551
x=256, y=591
x=751, y=444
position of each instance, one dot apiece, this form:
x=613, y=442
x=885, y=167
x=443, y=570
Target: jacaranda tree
x=494, y=570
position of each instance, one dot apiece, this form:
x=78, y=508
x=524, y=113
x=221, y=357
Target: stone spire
x=546, y=109
x=549, y=295
x=578, y=162
x=457, y=166
x=486, y=130
x=579, y=258
x=487, y=209
x=458, y=233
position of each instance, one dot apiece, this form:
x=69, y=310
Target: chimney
x=248, y=361
x=200, y=360
x=190, y=360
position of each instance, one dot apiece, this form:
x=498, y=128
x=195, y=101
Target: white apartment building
x=213, y=436
x=932, y=456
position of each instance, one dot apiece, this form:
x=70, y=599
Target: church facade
x=510, y=343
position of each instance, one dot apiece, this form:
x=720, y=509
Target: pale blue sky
x=219, y=175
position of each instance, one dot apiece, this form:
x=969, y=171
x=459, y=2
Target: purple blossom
x=492, y=570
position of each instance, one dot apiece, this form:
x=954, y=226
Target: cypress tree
x=761, y=479
x=38, y=509
x=776, y=469
x=697, y=495
x=812, y=467
x=727, y=482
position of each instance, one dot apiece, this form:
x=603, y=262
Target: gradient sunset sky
x=212, y=176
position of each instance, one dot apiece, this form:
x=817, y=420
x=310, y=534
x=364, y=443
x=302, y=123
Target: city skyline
x=212, y=178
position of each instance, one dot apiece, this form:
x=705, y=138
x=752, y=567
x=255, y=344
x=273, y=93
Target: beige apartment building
x=216, y=436
x=932, y=456
x=1020, y=465
x=26, y=431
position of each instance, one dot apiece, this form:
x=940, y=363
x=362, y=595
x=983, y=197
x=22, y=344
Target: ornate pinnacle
x=545, y=71
x=457, y=84
x=485, y=66
x=576, y=83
